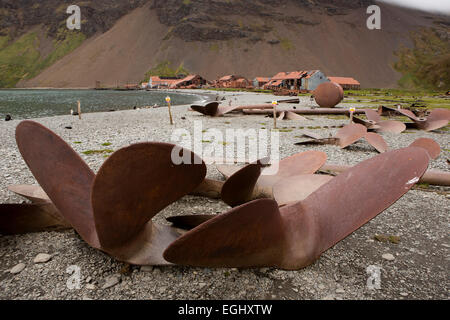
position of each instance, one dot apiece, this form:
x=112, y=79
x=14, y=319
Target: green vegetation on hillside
x=21, y=59
x=164, y=69
x=427, y=64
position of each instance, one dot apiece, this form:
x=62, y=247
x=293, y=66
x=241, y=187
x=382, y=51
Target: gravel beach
x=415, y=266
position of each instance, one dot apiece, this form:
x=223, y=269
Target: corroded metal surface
x=298, y=188
x=328, y=94
x=63, y=175
x=253, y=182
x=131, y=187
x=349, y=134
x=33, y=193
x=431, y=146
x=25, y=218
x=377, y=141
x=260, y=234
x=238, y=189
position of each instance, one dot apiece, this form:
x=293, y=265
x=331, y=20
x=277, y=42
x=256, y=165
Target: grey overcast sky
x=442, y=6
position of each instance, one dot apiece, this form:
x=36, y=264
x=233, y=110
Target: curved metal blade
x=299, y=164
x=225, y=109
x=258, y=234
x=33, y=193
x=26, y=218
x=358, y=195
x=377, y=141
x=132, y=186
x=295, y=189
x=281, y=115
x=63, y=175
x=349, y=134
x=439, y=114
x=391, y=126
x=247, y=236
x=434, y=125
x=372, y=115
x=227, y=170
x=293, y=116
x=210, y=109
x=431, y=146
x=189, y=222
x=238, y=189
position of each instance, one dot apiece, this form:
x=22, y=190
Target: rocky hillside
x=120, y=41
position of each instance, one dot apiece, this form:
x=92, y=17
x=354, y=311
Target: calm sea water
x=27, y=104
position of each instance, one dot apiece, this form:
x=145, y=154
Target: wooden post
x=79, y=110
x=170, y=110
x=352, y=112
x=274, y=103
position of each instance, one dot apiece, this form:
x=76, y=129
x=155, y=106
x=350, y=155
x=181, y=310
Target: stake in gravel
x=170, y=109
x=275, y=104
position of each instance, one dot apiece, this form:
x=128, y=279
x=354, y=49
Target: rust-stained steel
x=347, y=136
x=317, y=111
x=260, y=234
x=254, y=182
x=113, y=210
x=63, y=175
x=438, y=118
x=432, y=147
x=34, y=193
x=432, y=177
x=298, y=188
x=26, y=218
x=328, y=94
x=374, y=122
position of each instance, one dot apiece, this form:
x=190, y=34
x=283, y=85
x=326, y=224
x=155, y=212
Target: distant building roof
x=289, y=75
x=262, y=79
x=344, y=81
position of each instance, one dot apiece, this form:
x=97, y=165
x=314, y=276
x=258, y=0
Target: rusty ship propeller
x=260, y=234
x=112, y=210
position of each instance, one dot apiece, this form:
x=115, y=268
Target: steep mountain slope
x=252, y=38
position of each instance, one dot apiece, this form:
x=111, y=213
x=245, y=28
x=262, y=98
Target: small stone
x=404, y=294
x=42, y=258
x=340, y=291
x=111, y=282
x=88, y=280
x=328, y=297
x=201, y=285
x=18, y=268
x=388, y=257
x=90, y=287
x=321, y=286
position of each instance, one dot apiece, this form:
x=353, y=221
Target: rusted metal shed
x=346, y=83
x=191, y=81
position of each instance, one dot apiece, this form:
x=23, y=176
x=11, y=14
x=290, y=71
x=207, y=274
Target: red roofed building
x=346, y=83
x=192, y=81
x=259, y=82
x=232, y=81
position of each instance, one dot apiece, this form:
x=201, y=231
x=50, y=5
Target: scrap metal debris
x=112, y=210
x=260, y=234
x=347, y=136
x=328, y=94
x=438, y=118
x=374, y=122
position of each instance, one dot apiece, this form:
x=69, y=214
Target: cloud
x=440, y=6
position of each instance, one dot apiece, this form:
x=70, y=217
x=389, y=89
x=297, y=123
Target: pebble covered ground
x=413, y=265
